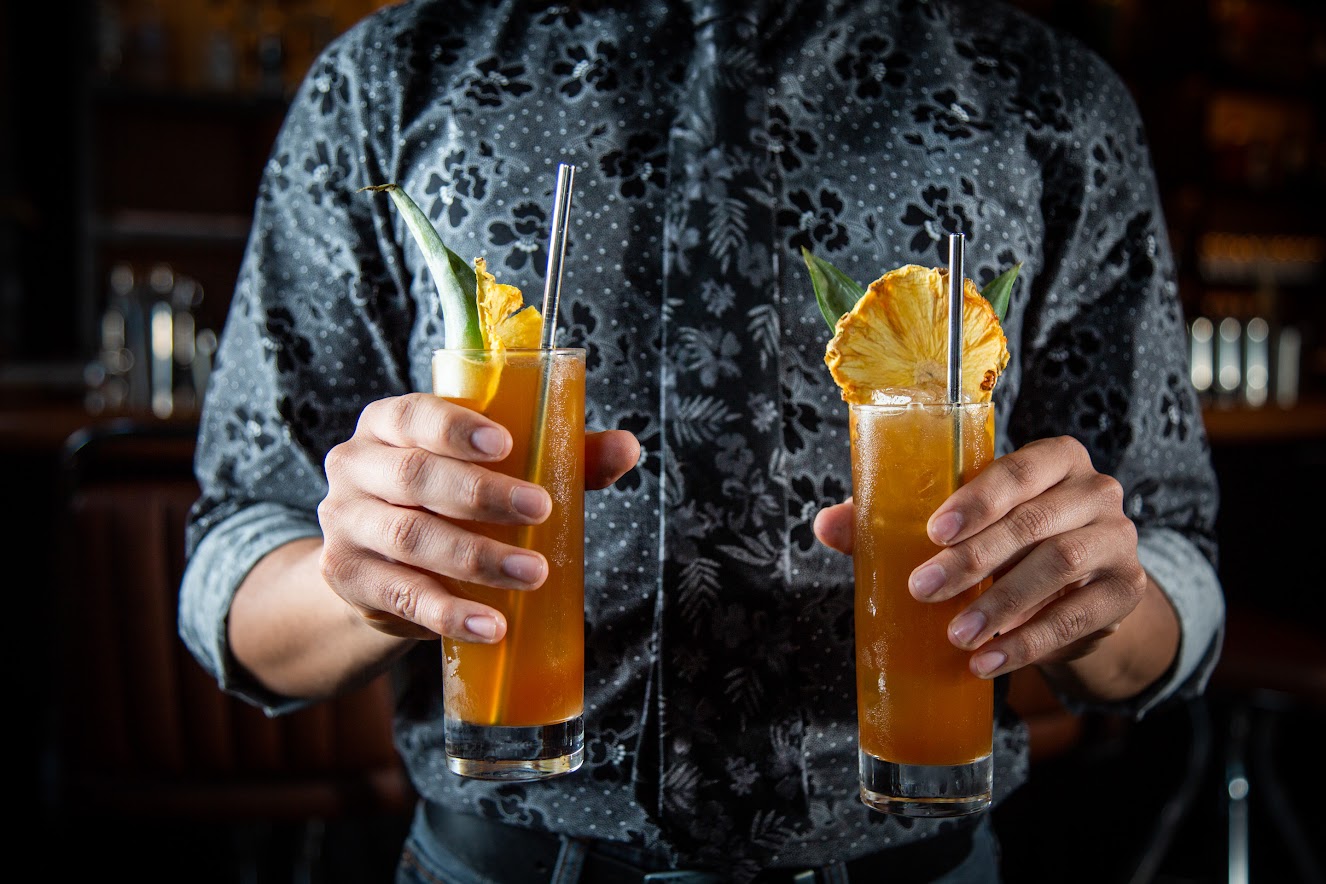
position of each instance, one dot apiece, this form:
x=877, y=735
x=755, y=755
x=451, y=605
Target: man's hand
x=415, y=467
x=1052, y=532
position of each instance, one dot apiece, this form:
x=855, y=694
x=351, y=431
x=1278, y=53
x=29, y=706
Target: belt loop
x=570, y=861
x=834, y=873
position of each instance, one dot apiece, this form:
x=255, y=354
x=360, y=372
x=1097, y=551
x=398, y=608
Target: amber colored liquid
x=917, y=701
x=535, y=675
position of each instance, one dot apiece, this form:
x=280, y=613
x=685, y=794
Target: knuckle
x=410, y=467
x=1001, y=607
x=400, y=596
x=1071, y=449
x=337, y=566
x=406, y=533
x=972, y=558
x=1021, y=469
x=1069, y=555
x=451, y=618
x=1068, y=622
x=1108, y=488
x=336, y=459
x=1030, y=522
x=1135, y=584
x=469, y=489
x=467, y=555
x=402, y=410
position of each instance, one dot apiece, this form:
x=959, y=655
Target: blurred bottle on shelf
x=1244, y=363
x=221, y=57
x=153, y=357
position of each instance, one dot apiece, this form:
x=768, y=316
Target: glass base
x=926, y=790
x=495, y=752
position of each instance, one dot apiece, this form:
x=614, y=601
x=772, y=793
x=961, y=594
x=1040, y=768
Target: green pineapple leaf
x=456, y=284
x=999, y=290
x=835, y=291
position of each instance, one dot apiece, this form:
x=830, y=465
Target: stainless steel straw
x=552, y=287
x=552, y=282
x=956, y=274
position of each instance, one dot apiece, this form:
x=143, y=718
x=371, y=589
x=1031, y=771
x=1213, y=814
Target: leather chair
x=141, y=730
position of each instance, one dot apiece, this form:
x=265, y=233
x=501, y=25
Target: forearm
x=1128, y=661
x=296, y=636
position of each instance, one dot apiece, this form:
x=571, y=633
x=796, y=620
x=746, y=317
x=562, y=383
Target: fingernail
x=946, y=527
x=488, y=440
x=926, y=581
x=525, y=568
x=989, y=661
x=966, y=626
x=530, y=502
x=483, y=627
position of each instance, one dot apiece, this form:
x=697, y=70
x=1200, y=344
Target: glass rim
x=928, y=407
x=518, y=350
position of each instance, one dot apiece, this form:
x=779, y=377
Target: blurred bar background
x=132, y=136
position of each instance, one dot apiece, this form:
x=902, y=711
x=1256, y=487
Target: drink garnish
x=890, y=341
x=478, y=312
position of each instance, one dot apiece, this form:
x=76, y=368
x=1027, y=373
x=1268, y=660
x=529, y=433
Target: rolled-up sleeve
x=1104, y=359
x=318, y=326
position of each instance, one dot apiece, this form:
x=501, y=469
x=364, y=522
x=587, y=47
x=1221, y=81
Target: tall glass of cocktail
x=514, y=709
x=926, y=722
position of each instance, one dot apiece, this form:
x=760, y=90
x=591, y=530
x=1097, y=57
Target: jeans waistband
x=464, y=848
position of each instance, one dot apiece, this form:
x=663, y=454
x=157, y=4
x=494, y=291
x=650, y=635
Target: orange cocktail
x=924, y=717
x=514, y=709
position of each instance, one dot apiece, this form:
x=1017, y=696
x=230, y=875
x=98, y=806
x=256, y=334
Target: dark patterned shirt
x=874, y=129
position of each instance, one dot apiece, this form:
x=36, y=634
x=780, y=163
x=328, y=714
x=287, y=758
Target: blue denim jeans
x=425, y=860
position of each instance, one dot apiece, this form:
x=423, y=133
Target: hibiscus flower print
x=989, y=57
x=1175, y=409
x=1043, y=110
x=577, y=330
x=815, y=221
x=569, y=14
x=1103, y=421
x=1072, y=354
x=327, y=170
x=493, y=81
x=949, y=116
x=644, y=428
x=453, y=192
x=935, y=220
x=787, y=144
x=798, y=418
x=805, y=502
x=291, y=350
x=277, y=172
x=581, y=69
x=871, y=67
x=709, y=352
x=643, y=161
x=248, y=426
x=1107, y=157
x=1137, y=249
x=609, y=750
x=330, y=89
x=525, y=233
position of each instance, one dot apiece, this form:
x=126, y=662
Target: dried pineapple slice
x=894, y=342
x=504, y=320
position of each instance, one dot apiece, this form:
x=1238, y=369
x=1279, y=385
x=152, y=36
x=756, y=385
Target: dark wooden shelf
x=145, y=226
x=1236, y=425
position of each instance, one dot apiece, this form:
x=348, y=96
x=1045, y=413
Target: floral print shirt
x=863, y=130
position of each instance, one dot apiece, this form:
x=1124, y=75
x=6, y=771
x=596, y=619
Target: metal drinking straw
x=956, y=272
x=552, y=287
